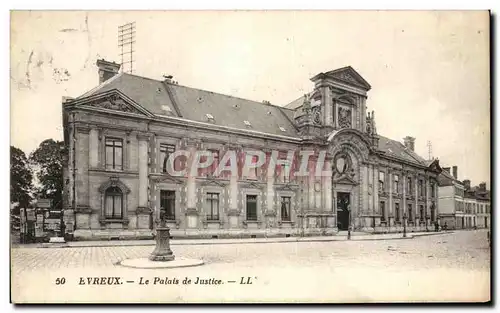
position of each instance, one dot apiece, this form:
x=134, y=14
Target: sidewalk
x=342, y=236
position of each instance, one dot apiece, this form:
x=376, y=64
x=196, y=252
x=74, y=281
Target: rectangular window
x=382, y=211
x=433, y=192
x=285, y=173
x=167, y=201
x=251, y=207
x=215, y=161
x=165, y=152
x=114, y=155
x=253, y=172
x=212, y=206
x=381, y=181
x=398, y=215
x=409, y=189
x=421, y=188
x=113, y=205
x=396, y=183
x=422, y=213
x=410, y=213
x=285, y=208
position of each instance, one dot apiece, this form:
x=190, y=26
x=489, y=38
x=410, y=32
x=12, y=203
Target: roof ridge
x=104, y=83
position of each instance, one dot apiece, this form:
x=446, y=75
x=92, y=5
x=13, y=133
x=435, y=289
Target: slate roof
x=194, y=104
x=397, y=149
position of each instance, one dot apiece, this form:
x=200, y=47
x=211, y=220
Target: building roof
x=165, y=98
x=198, y=105
x=399, y=150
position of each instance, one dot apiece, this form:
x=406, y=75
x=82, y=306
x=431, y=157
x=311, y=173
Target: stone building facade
x=462, y=206
x=119, y=134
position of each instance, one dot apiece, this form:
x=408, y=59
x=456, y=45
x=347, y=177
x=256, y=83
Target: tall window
x=398, y=215
x=212, y=206
x=433, y=191
x=409, y=185
x=410, y=212
x=215, y=163
x=251, y=207
x=252, y=172
x=114, y=155
x=114, y=203
x=422, y=213
x=167, y=201
x=285, y=173
x=433, y=212
x=165, y=152
x=285, y=208
x=396, y=182
x=421, y=188
x=381, y=181
x=382, y=211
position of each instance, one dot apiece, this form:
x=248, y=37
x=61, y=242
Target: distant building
x=477, y=202
x=460, y=206
x=120, y=133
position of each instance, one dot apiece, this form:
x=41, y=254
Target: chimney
x=409, y=142
x=466, y=184
x=455, y=171
x=107, y=70
x=482, y=186
x=446, y=169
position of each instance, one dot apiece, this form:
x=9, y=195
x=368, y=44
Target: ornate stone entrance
x=343, y=210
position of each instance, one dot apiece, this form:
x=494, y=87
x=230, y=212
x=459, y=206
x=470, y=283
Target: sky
x=429, y=70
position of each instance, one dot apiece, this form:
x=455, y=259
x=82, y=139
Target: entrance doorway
x=343, y=207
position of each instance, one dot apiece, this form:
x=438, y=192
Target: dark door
x=343, y=206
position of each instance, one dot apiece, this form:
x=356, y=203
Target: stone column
x=191, y=180
x=370, y=181
x=376, y=187
x=366, y=195
x=427, y=200
x=389, y=174
x=143, y=170
x=94, y=148
x=82, y=166
x=327, y=189
x=403, y=209
x=327, y=103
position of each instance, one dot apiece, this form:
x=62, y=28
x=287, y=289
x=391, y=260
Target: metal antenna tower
x=429, y=147
x=126, y=41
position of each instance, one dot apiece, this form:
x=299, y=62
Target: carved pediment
x=344, y=179
x=167, y=178
x=287, y=187
x=114, y=100
x=252, y=185
x=350, y=76
x=214, y=182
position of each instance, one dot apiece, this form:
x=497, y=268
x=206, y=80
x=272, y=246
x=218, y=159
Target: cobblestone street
x=445, y=267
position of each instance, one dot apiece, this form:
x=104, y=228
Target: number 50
x=60, y=281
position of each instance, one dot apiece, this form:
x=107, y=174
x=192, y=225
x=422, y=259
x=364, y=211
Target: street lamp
x=348, y=222
x=404, y=225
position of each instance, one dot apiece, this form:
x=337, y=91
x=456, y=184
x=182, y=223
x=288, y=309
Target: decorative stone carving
x=316, y=114
x=345, y=117
x=113, y=102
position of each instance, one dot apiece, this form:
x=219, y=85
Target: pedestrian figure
x=436, y=226
x=445, y=226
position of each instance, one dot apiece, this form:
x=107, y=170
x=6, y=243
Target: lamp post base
x=162, y=252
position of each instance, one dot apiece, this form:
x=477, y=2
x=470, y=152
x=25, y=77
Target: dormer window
x=166, y=109
x=282, y=129
x=247, y=123
x=210, y=117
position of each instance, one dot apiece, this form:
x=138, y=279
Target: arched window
x=114, y=203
